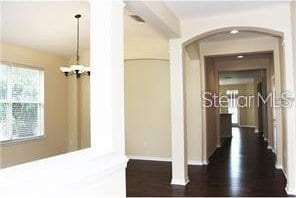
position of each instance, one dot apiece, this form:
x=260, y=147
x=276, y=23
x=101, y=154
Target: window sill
x=22, y=140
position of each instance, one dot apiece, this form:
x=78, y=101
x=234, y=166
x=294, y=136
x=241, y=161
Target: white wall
x=291, y=156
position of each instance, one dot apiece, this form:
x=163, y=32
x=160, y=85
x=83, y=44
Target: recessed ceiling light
x=234, y=31
x=240, y=56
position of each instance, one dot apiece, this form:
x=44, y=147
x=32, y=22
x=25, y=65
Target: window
x=21, y=102
x=232, y=92
x=233, y=106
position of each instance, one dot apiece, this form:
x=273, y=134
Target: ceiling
x=51, y=27
x=227, y=36
x=134, y=29
x=194, y=9
x=238, y=77
x=45, y=26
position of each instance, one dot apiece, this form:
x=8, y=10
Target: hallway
x=241, y=167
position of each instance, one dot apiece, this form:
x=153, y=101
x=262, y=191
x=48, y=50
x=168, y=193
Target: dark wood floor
x=241, y=167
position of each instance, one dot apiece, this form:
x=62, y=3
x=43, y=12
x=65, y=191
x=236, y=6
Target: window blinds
x=21, y=102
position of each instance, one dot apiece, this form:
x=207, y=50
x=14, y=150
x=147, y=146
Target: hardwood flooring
x=242, y=166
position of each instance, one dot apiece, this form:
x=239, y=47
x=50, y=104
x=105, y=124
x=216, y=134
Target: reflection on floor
x=243, y=166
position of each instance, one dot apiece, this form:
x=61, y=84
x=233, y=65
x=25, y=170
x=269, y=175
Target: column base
x=291, y=191
x=182, y=182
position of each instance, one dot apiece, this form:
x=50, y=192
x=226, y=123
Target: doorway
x=245, y=84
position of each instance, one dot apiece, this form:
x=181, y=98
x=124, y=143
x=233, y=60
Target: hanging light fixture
x=77, y=68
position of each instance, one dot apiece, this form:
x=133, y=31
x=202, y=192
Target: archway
x=186, y=45
x=199, y=59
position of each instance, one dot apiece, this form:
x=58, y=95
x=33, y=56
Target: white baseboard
x=164, y=159
x=290, y=191
x=205, y=162
x=279, y=166
x=195, y=162
x=249, y=126
x=149, y=158
x=270, y=147
x=182, y=182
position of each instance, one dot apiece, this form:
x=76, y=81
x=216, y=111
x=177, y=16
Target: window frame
x=10, y=102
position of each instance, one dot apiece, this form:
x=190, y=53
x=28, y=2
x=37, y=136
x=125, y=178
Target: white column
x=179, y=142
x=107, y=101
x=291, y=134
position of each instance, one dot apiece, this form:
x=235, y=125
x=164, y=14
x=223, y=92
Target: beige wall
x=56, y=108
x=147, y=108
x=143, y=48
x=138, y=49
x=257, y=44
x=212, y=112
x=79, y=106
x=246, y=116
x=193, y=103
x=147, y=101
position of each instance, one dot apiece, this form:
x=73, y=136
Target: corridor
x=241, y=167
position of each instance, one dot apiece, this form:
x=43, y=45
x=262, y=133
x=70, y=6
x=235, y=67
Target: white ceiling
x=238, y=77
x=51, y=26
x=227, y=36
x=194, y=9
x=45, y=26
x=134, y=29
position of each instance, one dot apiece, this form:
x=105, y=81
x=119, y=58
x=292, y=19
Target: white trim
x=249, y=126
x=270, y=147
x=279, y=166
x=149, y=158
x=290, y=192
x=205, y=162
x=195, y=162
x=256, y=130
x=87, y=168
x=164, y=159
x=182, y=182
x=20, y=140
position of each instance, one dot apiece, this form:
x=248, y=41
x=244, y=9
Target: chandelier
x=76, y=69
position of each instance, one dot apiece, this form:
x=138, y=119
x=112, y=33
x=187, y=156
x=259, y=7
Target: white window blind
x=21, y=102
